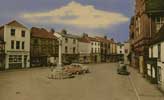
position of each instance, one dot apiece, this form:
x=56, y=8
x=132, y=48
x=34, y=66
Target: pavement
x=145, y=90
x=103, y=83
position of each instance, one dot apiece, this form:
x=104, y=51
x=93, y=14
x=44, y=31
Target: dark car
x=122, y=70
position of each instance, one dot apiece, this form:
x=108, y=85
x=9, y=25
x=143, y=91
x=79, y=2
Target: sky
x=95, y=17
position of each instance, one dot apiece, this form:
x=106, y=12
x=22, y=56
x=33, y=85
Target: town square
x=82, y=50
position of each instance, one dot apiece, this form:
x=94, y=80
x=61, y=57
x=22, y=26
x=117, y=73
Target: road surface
x=103, y=83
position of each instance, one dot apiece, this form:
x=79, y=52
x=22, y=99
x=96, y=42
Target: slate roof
x=41, y=33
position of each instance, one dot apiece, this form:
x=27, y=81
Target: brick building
x=44, y=45
x=145, y=23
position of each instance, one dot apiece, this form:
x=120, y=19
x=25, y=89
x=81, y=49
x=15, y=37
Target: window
x=120, y=47
x=126, y=50
x=66, y=40
x=12, y=44
x=159, y=21
x=159, y=51
x=23, y=33
x=66, y=49
x=74, y=49
x=35, y=41
x=95, y=50
x=92, y=50
x=17, y=44
x=22, y=45
x=92, y=43
x=12, y=32
x=74, y=41
x=151, y=52
x=120, y=52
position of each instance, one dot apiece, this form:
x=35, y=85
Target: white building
x=17, y=45
x=120, y=48
x=155, y=63
x=84, y=50
x=126, y=52
x=69, y=47
x=95, y=56
x=120, y=51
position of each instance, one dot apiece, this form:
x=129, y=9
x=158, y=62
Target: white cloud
x=77, y=15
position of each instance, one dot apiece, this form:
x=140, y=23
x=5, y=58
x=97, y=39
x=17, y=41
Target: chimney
x=85, y=35
x=52, y=30
x=105, y=37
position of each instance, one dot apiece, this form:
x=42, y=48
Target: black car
x=122, y=70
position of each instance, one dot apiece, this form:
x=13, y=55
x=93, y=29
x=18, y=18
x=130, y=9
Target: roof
x=84, y=40
x=92, y=39
x=153, y=6
x=159, y=36
x=41, y=33
x=101, y=39
x=69, y=35
x=14, y=23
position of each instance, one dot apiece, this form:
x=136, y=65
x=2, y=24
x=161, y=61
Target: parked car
x=73, y=69
x=122, y=69
x=85, y=69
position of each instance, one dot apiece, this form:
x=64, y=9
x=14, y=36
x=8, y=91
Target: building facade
x=17, y=45
x=146, y=21
x=2, y=55
x=95, y=56
x=44, y=45
x=120, y=51
x=103, y=48
x=113, y=51
x=70, y=46
x=84, y=51
x=155, y=63
x=127, y=53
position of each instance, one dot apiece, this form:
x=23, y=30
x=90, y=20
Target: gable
x=16, y=24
